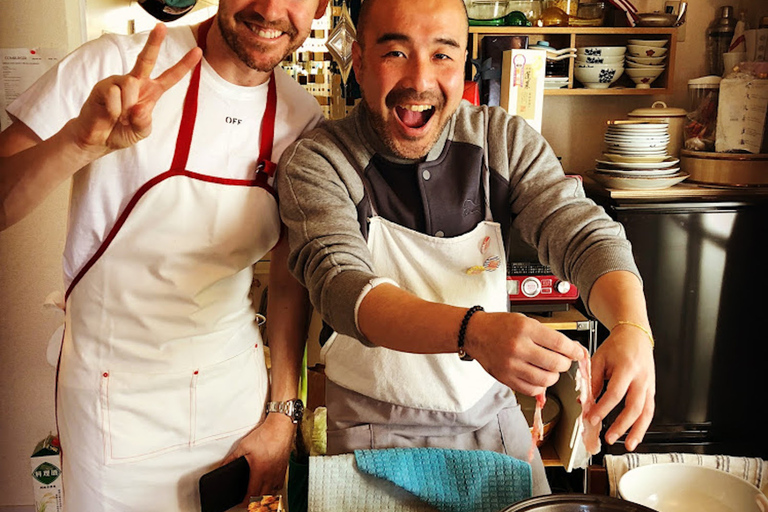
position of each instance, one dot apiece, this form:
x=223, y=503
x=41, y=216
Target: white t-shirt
x=225, y=142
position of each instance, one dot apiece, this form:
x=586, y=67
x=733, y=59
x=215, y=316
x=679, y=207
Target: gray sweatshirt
x=325, y=203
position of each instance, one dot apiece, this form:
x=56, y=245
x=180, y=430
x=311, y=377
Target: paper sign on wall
x=522, y=84
x=20, y=68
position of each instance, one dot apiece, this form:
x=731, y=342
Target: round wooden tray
x=728, y=169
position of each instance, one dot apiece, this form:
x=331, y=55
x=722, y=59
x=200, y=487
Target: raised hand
x=118, y=112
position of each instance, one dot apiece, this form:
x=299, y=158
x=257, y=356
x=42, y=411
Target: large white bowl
x=674, y=487
x=637, y=50
x=599, y=59
x=611, y=51
x=597, y=76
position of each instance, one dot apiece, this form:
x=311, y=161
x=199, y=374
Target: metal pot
x=657, y=19
x=575, y=503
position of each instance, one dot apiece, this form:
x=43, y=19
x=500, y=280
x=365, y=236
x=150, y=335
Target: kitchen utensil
x=575, y=503
x=643, y=78
x=674, y=487
x=598, y=76
x=550, y=415
x=638, y=182
x=674, y=117
x=719, y=35
x=487, y=12
x=725, y=169
x=645, y=51
x=657, y=19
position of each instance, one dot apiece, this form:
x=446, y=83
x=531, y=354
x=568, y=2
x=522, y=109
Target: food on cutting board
x=267, y=503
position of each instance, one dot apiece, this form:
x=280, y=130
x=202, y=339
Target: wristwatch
x=294, y=409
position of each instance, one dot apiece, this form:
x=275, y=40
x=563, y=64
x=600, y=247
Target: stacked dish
x=645, y=60
x=636, y=157
x=597, y=67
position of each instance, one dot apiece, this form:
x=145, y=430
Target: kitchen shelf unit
x=575, y=37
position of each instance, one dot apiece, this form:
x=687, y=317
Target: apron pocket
x=230, y=396
x=144, y=415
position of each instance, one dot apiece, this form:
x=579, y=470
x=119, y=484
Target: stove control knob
x=531, y=287
x=563, y=287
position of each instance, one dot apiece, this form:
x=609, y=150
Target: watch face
x=298, y=410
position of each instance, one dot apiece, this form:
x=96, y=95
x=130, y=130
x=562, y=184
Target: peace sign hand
x=118, y=112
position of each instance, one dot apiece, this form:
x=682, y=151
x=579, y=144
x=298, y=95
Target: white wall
x=30, y=251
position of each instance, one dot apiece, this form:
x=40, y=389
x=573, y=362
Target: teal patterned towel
x=452, y=480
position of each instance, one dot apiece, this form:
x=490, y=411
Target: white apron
x=434, y=269
x=162, y=368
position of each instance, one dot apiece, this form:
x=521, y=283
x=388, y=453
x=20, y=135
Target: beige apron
x=382, y=398
x=162, y=368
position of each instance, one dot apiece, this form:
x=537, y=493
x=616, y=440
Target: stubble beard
x=246, y=52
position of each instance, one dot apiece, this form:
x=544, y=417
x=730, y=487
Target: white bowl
x=674, y=487
x=646, y=60
x=597, y=76
x=599, y=59
x=643, y=77
x=602, y=51
x=637, y=50
x=658, y=43
x=632, y=64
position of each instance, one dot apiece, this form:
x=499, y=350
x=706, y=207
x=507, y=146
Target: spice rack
x=574, y=37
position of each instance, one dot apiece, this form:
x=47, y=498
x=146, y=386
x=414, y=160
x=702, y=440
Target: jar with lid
x=699, y=131
x=673, y=116
x=719, y=35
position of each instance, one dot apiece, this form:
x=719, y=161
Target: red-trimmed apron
x=162, y=367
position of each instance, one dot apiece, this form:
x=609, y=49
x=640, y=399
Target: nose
x=421, y=73
x=270, y=10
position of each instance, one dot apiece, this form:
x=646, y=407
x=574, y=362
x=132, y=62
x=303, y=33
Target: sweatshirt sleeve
x=319, y=192
x=572, y=234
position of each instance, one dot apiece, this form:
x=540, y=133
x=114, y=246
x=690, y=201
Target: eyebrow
x=395, y=36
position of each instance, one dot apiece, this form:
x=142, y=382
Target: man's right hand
x=520, y=352
x=118, y=112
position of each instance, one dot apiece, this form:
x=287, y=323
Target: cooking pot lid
x=575, y=503
x=167, y=10
x=658, y=109
x=705, y=82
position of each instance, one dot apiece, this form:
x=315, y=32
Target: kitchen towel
x=452, y=480
x=335, y=484
x=753, y=470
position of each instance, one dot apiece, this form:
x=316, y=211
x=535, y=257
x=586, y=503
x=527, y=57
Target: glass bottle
x=719, y=35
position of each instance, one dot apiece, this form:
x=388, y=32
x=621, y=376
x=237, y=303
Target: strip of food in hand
x=590, y=433
x=537, y=434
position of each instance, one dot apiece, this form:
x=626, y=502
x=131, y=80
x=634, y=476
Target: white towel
x=753, y=470
x=336, y=484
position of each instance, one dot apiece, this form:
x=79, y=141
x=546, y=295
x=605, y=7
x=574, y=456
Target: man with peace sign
x=170, y=139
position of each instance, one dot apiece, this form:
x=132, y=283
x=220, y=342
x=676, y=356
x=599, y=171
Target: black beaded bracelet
x=463, y=331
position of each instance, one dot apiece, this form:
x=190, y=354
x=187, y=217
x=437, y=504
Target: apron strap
x=265, y=168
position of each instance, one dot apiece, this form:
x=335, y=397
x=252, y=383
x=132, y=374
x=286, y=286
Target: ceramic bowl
x=635, y=65
x=646, y=60
x=602, y=51
x=674, y=487
x=638, y=50
x=599, y=59
x=597, y=76
x=644, y=77
x=658, y=43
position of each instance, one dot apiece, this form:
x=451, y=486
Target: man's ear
x=321, y=7
x=357, y=60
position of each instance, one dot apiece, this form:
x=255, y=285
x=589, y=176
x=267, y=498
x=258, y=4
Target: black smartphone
x=225, y=486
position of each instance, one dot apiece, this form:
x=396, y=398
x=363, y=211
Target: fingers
x=145, y=62
x=172, y=75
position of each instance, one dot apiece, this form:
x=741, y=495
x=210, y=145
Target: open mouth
x=415, y=116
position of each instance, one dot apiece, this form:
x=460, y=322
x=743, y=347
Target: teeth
x=269, y=34
x=417, y=108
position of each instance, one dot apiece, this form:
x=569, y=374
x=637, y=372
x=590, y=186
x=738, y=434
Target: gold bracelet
x=633, y=324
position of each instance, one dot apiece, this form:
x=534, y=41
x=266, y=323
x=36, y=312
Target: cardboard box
x=522, y=84
x=46, y=476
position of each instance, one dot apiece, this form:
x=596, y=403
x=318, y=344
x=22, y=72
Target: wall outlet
x=673, y=7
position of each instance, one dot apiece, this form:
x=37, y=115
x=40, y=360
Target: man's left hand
x=625, y=360
x=267, y=449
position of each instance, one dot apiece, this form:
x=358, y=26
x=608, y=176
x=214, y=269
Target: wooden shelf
x=574, y=37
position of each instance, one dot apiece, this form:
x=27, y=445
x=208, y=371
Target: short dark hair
x=364, y=14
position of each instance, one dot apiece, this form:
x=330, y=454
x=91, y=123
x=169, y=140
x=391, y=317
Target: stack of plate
x=645, y=61
x=636, y=157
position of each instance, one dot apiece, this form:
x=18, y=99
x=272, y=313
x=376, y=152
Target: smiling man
x=162, y=373
x=398, y=220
